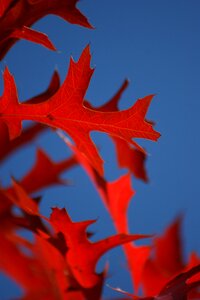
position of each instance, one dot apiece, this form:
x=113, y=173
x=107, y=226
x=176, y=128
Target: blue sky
x=156, y=45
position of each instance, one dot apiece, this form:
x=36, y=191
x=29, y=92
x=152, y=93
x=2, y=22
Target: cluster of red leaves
x=60, y=261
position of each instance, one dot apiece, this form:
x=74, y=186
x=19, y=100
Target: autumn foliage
x=60, y=261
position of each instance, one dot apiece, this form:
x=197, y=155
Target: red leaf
x=82, y=255
x=45, y=172
x=64, y=110
x=44, y=273
x=116, y=196
x=17, y=16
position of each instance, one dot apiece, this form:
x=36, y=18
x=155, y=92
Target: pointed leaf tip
x=85, y=55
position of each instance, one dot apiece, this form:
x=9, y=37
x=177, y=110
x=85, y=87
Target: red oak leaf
x=7, y=146
x=116, y=197
x=45, y=172
x=44, y=273
x=128, y=157
x=16, y=18
x=65, y=110
x=82, y=255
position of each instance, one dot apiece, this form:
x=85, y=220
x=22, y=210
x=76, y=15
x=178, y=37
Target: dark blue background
x=156, y=44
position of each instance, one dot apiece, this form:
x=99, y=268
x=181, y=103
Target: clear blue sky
x=156, y=45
